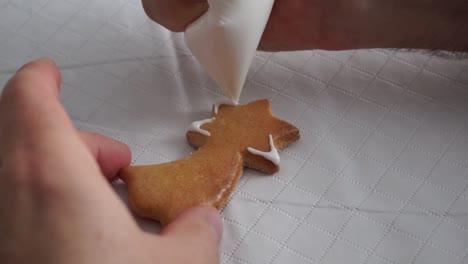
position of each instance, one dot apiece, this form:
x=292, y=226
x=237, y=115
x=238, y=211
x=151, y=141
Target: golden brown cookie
x=236, y=136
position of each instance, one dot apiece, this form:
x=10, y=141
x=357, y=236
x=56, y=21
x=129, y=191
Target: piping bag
x=224, y=41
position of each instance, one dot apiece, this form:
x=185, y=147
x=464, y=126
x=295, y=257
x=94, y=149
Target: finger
x=29, y=103
x=45, y=72
x=48, y=69
x=36, y=85
x=175, y=15
x=197, y=234
x=110, y=154
x=37, y=139
x=44, y=156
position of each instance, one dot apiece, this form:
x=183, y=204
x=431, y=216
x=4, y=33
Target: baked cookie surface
x=236, y=136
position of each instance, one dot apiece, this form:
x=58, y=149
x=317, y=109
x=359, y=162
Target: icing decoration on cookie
x=272, y=155
x=196, y=126
x=227, y=142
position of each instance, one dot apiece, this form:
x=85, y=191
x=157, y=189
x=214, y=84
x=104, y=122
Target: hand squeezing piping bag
x=224, y=40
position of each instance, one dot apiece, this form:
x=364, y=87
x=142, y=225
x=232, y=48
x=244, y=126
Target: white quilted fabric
x=379, y=176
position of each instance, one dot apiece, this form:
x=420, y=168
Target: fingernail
x=214, y=219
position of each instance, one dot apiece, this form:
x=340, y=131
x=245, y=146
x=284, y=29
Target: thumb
x=196, y=233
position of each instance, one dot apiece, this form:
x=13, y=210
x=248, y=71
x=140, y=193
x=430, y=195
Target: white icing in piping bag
x=224, y=40
x=219, y=102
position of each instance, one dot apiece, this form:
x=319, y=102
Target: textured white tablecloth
x=379, y=176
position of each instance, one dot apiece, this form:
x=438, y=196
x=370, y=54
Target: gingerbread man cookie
x=236, y=136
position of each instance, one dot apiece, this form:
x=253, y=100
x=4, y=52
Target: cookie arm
x=161, y=192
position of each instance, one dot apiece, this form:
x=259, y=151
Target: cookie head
x=249, y=129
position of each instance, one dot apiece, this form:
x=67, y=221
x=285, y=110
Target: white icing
x=221, y=101
x=224, y=40
x=224, y=190
x=272, y=155
x=196, y=126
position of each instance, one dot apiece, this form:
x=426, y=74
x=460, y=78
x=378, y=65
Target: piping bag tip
x=222, y=101
x=226, y=50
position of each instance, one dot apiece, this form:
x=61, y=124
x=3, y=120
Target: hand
x=342, y=24
x=289, y=26
x=56, y=205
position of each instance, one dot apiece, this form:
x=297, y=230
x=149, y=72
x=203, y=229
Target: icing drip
x=219, y=102
x=221, y=193
x=196, y=126
x=272, y=155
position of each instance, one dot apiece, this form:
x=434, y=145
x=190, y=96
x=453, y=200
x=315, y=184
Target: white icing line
x=196, y=126
x=221, y=193
x=272, y=155
x=221, y=101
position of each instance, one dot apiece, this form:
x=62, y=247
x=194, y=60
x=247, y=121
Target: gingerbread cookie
x=236, y=136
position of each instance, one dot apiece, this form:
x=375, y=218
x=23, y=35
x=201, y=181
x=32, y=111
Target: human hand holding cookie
x=56, y=205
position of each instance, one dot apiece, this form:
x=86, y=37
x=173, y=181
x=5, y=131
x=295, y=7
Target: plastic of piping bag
x=224, y=40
